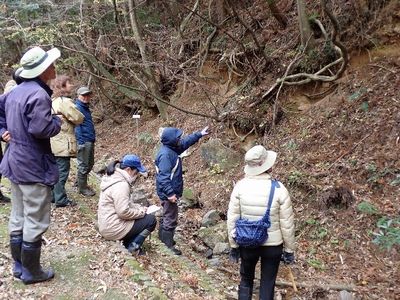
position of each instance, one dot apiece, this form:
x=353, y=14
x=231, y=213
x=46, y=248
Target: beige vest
x=64, y=143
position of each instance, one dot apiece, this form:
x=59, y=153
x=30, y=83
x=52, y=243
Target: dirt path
x=88, y=267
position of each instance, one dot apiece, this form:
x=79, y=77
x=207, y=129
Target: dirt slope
x=334, y=153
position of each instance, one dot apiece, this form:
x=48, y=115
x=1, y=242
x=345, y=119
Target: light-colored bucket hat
x=35, y=61
x=258, y=160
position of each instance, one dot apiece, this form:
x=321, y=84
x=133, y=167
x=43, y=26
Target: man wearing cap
x=29, y=163
x=85, y=137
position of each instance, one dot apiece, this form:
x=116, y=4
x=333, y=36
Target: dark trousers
x=85, y=158
x=59, y=193
x=148, y=222
x=270, y=258
x=170, y=215
x=1, y=156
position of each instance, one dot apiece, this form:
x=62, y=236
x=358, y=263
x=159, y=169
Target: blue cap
x=133, y=161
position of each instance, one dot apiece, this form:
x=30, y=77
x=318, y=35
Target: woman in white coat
x=118, y=217
x=249, y=200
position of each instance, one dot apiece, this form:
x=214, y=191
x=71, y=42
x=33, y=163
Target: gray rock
x=215, y=262
x=189, y=198
x=210, y=218
x=139, y=196
x=218, y=156
x=221, y=248
x=345, y=295
x=213, y=235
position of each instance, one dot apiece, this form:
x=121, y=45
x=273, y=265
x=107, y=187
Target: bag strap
x=274, y=184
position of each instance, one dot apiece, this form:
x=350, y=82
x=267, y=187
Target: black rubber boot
x=15, y=246
x=137, y=242
x=160, y=230
x=32, y=272
x=245, y=293
x=83, y=187
x=167, y=237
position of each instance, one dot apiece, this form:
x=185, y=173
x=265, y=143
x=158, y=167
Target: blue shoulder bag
x=251, y=234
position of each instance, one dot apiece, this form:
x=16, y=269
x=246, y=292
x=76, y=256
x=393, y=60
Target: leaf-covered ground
x=339, y=157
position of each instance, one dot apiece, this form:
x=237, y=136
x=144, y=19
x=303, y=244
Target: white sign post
x=137, y=117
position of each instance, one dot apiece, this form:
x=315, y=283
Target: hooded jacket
x=64, y=143
x=26, y=113
x=116, y=213
x=169, y=180
x=249, y=200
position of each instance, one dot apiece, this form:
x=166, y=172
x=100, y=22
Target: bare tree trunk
x=307, y=39
x=220, y=10
x=153, y=84
x=278, y=15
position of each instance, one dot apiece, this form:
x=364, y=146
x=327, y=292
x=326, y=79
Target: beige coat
x=64, y=143
x=116, y=213
x=249, y=199
x=9, y=86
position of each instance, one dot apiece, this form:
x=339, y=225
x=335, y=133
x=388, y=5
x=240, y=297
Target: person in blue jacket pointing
x=169, y=180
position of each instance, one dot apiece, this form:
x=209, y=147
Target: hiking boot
x=66, y=203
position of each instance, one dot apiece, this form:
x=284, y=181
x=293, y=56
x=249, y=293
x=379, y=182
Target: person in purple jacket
x=25, y=112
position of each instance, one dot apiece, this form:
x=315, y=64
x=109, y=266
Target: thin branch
x=209, y=99
x=382, y=67
x=221, y=30
x=149, y=93
x=242, y=138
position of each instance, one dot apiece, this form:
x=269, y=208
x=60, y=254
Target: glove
x=287, y=258
x=234, y=255
x=204, y=131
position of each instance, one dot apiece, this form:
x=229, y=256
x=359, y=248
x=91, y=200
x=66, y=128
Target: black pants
x=148, y=222
x=270, y=258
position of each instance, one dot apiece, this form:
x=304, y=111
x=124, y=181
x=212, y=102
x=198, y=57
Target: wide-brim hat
x=35, y=61
x=258, y=160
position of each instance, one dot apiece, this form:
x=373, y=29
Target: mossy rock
x=214, y=153
x=213, y=235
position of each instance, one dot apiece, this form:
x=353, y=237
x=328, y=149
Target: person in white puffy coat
x=249, y=200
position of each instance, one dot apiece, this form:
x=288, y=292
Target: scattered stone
x=210, y=271
x=211, y=218
x=189, y=198
x=209, y=253
x=215, y=262
x=221, y=248
x=213, y=235
x=345, y=295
